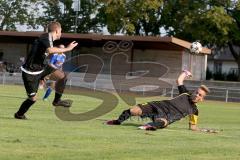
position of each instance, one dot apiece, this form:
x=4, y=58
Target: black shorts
x=147, y=110
x=150, y=111
x=31, y=82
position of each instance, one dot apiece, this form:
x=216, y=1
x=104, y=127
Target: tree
x=132, y=17
x=55, y=10
x=213, y=22
x=17, y=12
x=197, y=20
x=62, y=11
x=234, y=38
x=89, y=19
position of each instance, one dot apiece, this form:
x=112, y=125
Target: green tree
x=197, y=20
x=17, y=12
x=132, y=17
x=234, y=38
x=55, y=10
x=62, y=11
x=89, y=19
x=216, y=23
x=213, y=22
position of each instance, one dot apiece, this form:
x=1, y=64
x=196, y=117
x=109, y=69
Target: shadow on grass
x=9, y=96
x=7, y=117
x=130, y=124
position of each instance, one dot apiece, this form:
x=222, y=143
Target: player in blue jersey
x=56, y=61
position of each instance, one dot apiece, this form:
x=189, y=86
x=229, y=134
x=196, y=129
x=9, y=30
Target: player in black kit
x=35, y=69
x=166, y=112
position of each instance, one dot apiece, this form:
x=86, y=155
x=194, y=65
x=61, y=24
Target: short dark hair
x=205, y=88
x=53, y=26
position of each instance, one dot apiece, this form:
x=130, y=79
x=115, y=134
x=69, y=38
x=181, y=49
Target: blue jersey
x=57, y=60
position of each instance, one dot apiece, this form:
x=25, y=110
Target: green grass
x=45, y=137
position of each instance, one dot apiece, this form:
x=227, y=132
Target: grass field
x=45, y=137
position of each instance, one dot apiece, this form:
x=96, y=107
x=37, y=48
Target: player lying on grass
x=165, y=112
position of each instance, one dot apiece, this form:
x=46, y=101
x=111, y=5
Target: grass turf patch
x=44, y=136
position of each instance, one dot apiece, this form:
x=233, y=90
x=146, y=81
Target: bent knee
x=58, y=75
x=162, y=122
x=136, y=111
x=62, y=76
x=33, y=98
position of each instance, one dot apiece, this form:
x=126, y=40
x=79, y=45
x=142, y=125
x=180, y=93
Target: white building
x=222, y=62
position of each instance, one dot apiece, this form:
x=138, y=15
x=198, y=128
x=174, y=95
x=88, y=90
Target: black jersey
x=176, y=108
x=35, y=60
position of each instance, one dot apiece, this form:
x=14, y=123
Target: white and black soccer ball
x=195, y=48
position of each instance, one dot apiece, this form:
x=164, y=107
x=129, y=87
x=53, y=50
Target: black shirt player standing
x=34, y=69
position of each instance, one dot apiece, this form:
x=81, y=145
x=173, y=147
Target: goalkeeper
x=165, y=112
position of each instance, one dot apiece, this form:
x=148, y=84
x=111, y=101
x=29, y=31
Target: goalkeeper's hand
x=187, y=73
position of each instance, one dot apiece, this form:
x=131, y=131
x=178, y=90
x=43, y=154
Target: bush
x=219, y=76
x=209, y=74
x=232, y=76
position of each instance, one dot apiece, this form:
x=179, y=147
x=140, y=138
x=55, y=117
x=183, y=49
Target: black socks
x=25, y=106
x=57, y=97
x=124, y=116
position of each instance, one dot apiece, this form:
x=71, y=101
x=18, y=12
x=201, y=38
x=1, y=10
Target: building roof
x=141, y=42
x=222, y=57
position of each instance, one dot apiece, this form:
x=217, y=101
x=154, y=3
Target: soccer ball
x=195, y=48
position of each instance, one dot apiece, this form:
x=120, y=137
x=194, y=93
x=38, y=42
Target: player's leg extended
x=143, y=110
x=47, y=93
x=159, y=123
x=61, y=78
x=159, y=119
x=49, y=90
x=126, y=114
x=20, y=114
x=31, y=83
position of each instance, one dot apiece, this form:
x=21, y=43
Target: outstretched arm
x=185, y=74
x=52, y=50
x=194, y=127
